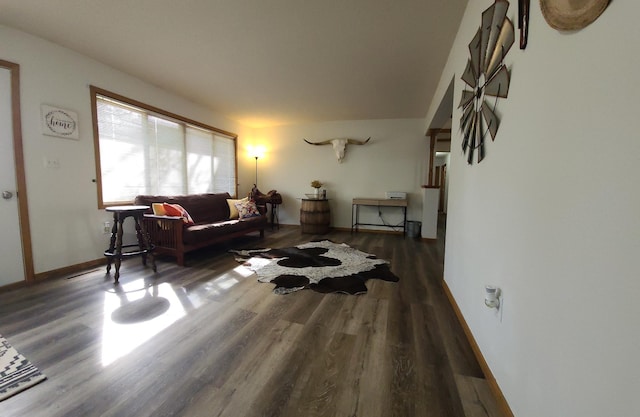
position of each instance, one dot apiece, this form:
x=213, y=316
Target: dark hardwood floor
x=209, y=340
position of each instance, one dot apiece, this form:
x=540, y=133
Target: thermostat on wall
x=396, y=195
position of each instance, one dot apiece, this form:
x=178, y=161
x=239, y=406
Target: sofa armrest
x=164, y=231
x=168, y=218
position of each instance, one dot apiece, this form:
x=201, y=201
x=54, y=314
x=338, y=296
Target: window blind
x=146, y=153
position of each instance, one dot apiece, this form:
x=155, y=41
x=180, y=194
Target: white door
x=11, y=257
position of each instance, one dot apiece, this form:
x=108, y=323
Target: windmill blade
x=497, y=22
x=470, y=156
x=491, y=119
x=479, y=130
x=474, y=52
x=498, y=86
x=472, y=144
x=466, y=117
x=468, y=133
x=480, y=144
x=486, y=25
x=469, y=76
x=467, y=97
x=504, y=42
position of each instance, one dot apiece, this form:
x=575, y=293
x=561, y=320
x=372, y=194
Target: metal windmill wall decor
x=486, y=78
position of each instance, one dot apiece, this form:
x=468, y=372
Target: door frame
x=21, y=183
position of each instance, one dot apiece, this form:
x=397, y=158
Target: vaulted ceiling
x=263, y=62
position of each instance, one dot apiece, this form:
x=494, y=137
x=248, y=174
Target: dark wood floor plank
x=437, y=394
x=248, y=379
x=477, y=399
x=369, y=368
x=324, y=379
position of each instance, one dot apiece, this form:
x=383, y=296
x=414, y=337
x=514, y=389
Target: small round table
x=115, y=253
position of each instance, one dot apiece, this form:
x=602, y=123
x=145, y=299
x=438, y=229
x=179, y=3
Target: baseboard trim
x=360, y=230
x=15, y=285
x=364, y=230
x=68, y=270
x=491, y=380
x=55, y=273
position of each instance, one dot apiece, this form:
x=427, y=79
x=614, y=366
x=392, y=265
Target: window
x=144, y=150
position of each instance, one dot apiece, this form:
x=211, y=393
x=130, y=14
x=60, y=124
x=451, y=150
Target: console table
x=376, y=202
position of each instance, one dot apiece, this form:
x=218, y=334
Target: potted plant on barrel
x=316, y=188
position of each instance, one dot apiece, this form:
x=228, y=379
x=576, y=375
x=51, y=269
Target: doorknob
x=7, y=195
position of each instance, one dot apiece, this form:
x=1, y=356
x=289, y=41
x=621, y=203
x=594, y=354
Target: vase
x=316, y=192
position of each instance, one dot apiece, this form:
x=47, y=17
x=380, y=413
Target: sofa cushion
x=177, y=210
x=158, y=209
x=233, y=211
x=203, y=232
x=247, y=209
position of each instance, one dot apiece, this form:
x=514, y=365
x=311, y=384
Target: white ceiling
x=264, y=62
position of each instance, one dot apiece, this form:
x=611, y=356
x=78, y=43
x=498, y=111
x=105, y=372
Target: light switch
x=51, y=163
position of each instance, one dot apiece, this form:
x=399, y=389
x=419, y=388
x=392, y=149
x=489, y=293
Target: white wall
x=552, y=216
x=394, y=160
x=66, y=225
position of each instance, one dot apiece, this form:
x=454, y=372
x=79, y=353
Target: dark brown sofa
x=210, y=212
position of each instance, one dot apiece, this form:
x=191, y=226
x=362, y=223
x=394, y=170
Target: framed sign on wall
x=59, y=122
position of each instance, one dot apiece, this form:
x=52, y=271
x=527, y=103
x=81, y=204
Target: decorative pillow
x=247, y=209
x=158, y=209
x=233, y=211
x=178, y=210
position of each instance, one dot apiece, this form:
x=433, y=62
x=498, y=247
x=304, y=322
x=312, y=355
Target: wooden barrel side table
x=115, y=252
x=315, y=216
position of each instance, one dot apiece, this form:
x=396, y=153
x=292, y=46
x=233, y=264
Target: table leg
x=272, y=214
x=275, y=215
x=142, y=246
x=112, y=243
x=352, y=218
x=357, y=216
x=117, y=253
x=143, y=243
x=404, y=225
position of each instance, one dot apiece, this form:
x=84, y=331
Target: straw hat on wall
x=571, y=14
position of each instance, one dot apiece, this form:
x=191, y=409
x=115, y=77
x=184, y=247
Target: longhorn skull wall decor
x=339, y=145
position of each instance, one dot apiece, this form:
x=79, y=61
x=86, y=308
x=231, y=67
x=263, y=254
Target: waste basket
x=413, y=228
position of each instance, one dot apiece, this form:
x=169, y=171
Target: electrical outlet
x=106, y=228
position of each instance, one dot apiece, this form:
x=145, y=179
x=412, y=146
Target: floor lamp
x=256, y=183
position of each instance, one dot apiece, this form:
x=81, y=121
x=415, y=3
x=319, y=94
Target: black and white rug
x=16, y=372
x=323, y=266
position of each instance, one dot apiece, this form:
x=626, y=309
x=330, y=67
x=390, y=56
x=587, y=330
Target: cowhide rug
x=323, y=266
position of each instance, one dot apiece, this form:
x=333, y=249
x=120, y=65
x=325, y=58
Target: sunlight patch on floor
x=243, y=271
x=227, y=283
x=134, y=313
